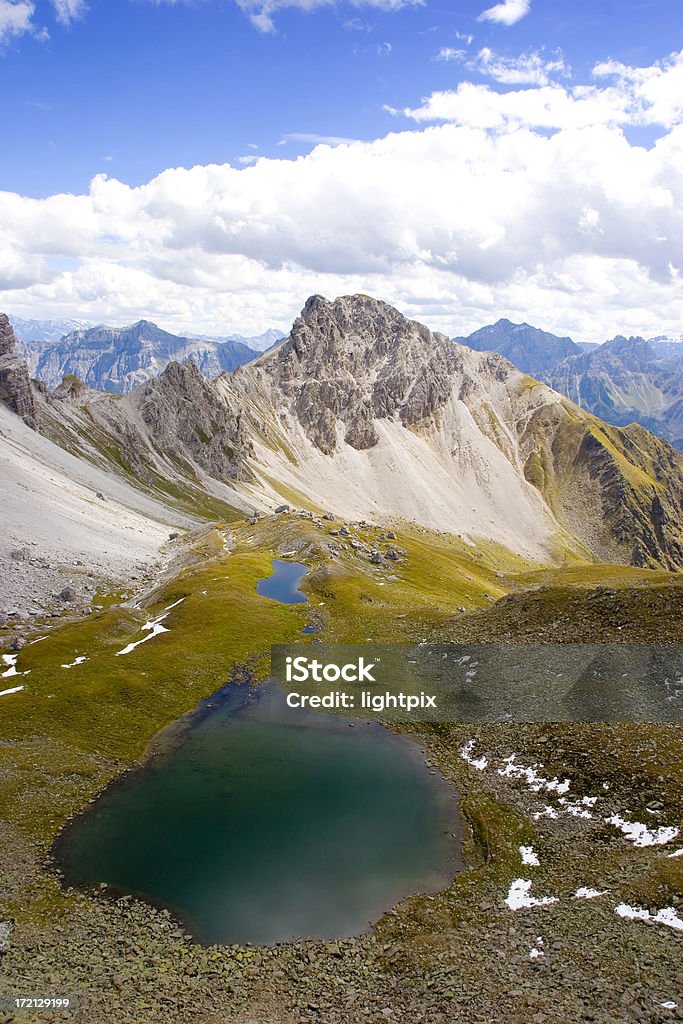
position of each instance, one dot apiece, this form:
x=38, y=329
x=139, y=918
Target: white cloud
x=635, y=96
x=506, y=13
x=574, y=229
x=15, y=18
x=67, y=11
x=533, y=68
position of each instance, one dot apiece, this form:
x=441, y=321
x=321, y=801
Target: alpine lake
x=260, y=823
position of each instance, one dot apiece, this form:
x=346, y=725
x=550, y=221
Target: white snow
x=676, y=853
x=667, y=915
x=480, y=763
x=37, y=640
x=14, y=689
x=577, y=808
x=536, y=782
x=78, y=661
x=518, y=897
x=153, y=626
x=587, y=893
x=176, y=603
x=547, y=812
x=11, y=661
x=529, y=857
x=669, y=1004
x=640, y=835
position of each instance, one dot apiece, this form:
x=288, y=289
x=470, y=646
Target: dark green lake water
x=265, y=823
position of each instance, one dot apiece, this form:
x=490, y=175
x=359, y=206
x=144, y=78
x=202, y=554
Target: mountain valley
x=434, y=494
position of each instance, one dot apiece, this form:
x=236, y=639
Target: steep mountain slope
x=531, y=350
x=627, y=380
x=367, y=414
x=118, y=359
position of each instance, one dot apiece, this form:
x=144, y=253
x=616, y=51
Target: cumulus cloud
x=487, y=214
x=634, y=96
x=15, y=18
x=506, y=13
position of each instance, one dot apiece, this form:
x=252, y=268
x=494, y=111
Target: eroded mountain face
x=366, y=413
x=15, y=384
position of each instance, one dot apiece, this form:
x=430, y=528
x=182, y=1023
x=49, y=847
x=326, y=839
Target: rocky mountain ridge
x=530, y=349
x=625, y=380
x=367, y=414
x=118, y=359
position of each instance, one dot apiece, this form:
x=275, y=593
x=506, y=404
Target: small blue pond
x=283, y=585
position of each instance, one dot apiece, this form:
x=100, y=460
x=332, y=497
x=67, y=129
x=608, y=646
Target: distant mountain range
x=626, y=380
x=531, y=350
x=118, y=359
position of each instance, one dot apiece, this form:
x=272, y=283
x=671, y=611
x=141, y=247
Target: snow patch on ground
x=537, y=950
x=13, y=689
x=676, y=853
x=518, y=897
x=640, y=835
x=536, y=782
x=153, y=627
x=480, y=763
x=667, y=915
x=529, y=857
x=11, y=661
x=587, y=893
x=78, y=661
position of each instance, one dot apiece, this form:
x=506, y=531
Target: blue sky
x=129, y=90
x=132, y=88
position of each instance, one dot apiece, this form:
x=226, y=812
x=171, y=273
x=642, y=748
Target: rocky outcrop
x=185, y=418
x=15, y=383
x=356, y=360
